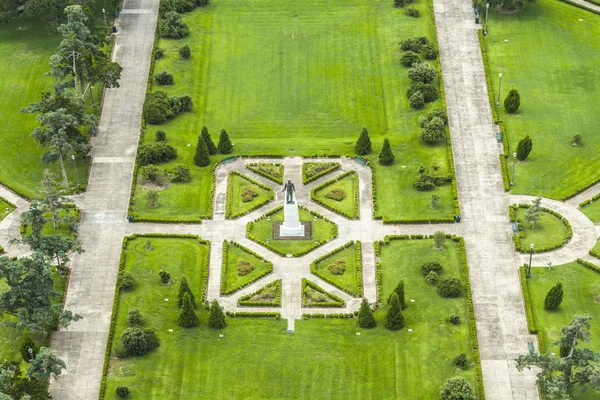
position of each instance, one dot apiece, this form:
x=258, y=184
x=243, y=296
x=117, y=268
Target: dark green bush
x=165, y=277
x=431, y=278
x=554, y=297
x=365, y=315
x=210, y=145
x=417, y=101
x=184, y=288
x=126, y=281
x=172, y=26
x=436, y=112
x=394, y=320
x=224, y=146
x=429, y=92
x=399, y=3
x=164, y=78
x=409, y=59
x=433, y=131
x=122, y=392
x=457, y=389
x=161, y=136
x=216, y=318
x=460, y=361
x=424, y=182
x=431, y=266
x=524, y=148
x=386, y=157
x=134, y=318
x=27, y=343
x=187, y=316
x=414, y=44
x=179, y=6
x=181, y=174
x=337, y=194
x=158, y=53
x=412, y=12
x=363, y=144
x=454, y=319
x=157, y=108
x=138, y=341
x=512, y=102
x=181, y=103
x=155, y=153
x=150, y=173
x=201, y=157
x=429, y=51
x=422, y=72
x=185, y=52
x=450, y=287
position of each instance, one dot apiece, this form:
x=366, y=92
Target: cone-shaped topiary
x=225, y=146
x=187, y=315
x=554, y=297
x=183, y=289
x=363, y=144
x=201, y=158
x=399, y=291
x=512, y=101
x=394, y=319
x=28, y=348
x=216, y=318
x=386, y=157
x=210, y=145
x=365, y=315
x=524, y=148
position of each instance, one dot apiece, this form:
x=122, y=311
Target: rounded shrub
x=172, y=26
x=524, y=147
x=417, y=101
x=429, y=92
x=422, y=72
x=138, y=341
x=512, y=102
x=155, y=153
x=164, y=78
x=554, y=297
x=158, y=53
x=429, y=51
x=431, y=278
x=409, y=59
x=434, y=266
x=122, y=391
x=412, y=12
x=454, y=319
x=185, y=51
x=450, y=287
x=413, y=44
x=28, y=348
x=165, y=277
x=134, y=318
x=424, y=182
x=457, y=389
x=161, y=136
x=460, y=361
x=181, y=174
x=126, y=281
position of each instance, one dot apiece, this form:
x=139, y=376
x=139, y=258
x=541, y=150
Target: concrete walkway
x=10, y=225
x=587, y=194
x=587, y=4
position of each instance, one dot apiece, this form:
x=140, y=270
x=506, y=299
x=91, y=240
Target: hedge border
x=254, y=314
x=594, y=253
x=588, y=265
x=583, y=7
x=581, y=205
x=332, y=315
x=314, y=245
x=337, y=165
x=8, y=202
x=512, y=209
x=358, y=256
x=254, y=168
x=338, y=303
x=229, y=201
x=243, y=300
x=313, y=195
x=225, y=292
x=113, y=316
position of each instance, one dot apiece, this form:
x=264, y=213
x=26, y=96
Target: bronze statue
x=290, y=190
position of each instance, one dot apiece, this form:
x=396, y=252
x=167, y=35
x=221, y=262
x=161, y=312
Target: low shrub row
x=337, y=301
x=308, y=176
x=245, y=300
x=256, y=314
x=581, y=205
x=378, y=280
x=595, y=253
x=505, y=180
x=589, y=265
x=313, y=195
x=517, y=236
x=229, y=204
x=313, y=268
x=333, y=315
x=7, y=202
x=257, y=169
x=226, y=292
x=529, y=310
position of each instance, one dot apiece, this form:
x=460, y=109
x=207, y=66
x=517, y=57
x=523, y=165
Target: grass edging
x=581, y=205
x=339, y=302
x=529, y=310
x=225, y=292
x=253, y=314
x=113, y=317
x=8, y=202
x=512, y=209
x=254, y=168
x=313, y=268
x=583, y=7
x=229, y=202
x=243, y=301
x=313, y=195
x=306, y=179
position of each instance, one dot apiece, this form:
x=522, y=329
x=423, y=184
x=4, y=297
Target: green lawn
x=550, y=53
x=347, y=206
x=272, y=171
x=272, y=72
x=63, y=228
x=232, y=280
x=592, y=210
x=434, y=342
x=549, y=232
x=239, y=186
x=349, y=280
x=5, y=208
x=596, y=250
x=323, y=231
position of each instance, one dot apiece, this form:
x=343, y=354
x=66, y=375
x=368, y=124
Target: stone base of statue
x=291, y=220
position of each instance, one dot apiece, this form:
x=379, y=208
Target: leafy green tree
x=210, y=145
x=53, y=200
x=512, y=101
x=363, y=144
x=422, y=72
x=524, y=148
x=365, y=315
x=224, y=146
x=216, y=318
x=398, y=291
x=185, y=52
x=201, y=158
x=457, y=389
x=533, y=212
x=417, y=100
x=439, y=238
x=433, y=131
x=44, y=365
x=137, y=341
x=151, y=197
x=554, y=297
x=184, y=288
x=386, y=157
x=13, y=385
x=394, y=320
x=187, y=315
x=563, y=377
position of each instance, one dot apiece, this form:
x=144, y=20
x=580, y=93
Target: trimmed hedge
x=581, y=205
x=255, y=167
x=256, y=314
x=306, y=179
x=225, y=292
x=594, y=253
x=529, y=310
x=505, y=180
x=229, y=203
x=313, y=268
x=313, y=195
x=338, y=302
x=516, y=238
x=244, y=300
x=589, y=265
x=113, y=317
x=8, y=202
x=332, y=315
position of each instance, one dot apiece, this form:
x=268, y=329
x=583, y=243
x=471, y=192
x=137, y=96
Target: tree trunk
x=55, y=220
x=63, y=170
x=92, y=96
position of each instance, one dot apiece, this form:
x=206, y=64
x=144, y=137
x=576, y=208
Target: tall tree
x=533, y=212
x=524, y=147
x=365, y=315
x=394, y=320
x=201, y=157
x=44, y=365
x=225, y=146
x=187, y=315
x=210, y=145
x=184, y=288
x=399, y=291
x=216, y=318
x=386, y=157
x=363, y=144
x=52, y=198
x=554, y=297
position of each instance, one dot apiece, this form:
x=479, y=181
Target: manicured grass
x=596, y=250
x=592, y=210
x=349, y=281
x=313, y=170
x=272, y=73
x=347, y=206
x=5, y=208
x=323, y=231
x=272, y=171
x=233, y=280
x=267, y=296
x=550, y=53
x=549, y=231
x=238, y=186
x=314, y=295
x=426, y=353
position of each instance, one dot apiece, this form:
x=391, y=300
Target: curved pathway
x=11, y=224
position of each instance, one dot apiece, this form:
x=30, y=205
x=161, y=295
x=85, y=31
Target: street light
x=530, y=257
x=105, y=24
x=485, y=26
x=499, y=87
x=75, y=167
x=512, y=181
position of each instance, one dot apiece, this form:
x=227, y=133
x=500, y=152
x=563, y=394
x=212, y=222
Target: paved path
x=587, y=194
x=587, y=4
x=497, y=298
x=10, y=225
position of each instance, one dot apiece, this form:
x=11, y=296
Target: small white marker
x=166, y=299
x=357, y=333
x=409, y=330
x=221, y=335
x=412, y=300
x=170, y=330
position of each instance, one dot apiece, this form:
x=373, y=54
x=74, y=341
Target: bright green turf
x=347, y=206
x=549, y=231
x=273, y=171
x=596, y=250
x=323, y=231
x=233, y=281
x=5, y=208
x=551, y=58
x=348, y=281
x=592, y=210
x=299, y=78
x=236, y=204
x=322, y=359
x=63, y=229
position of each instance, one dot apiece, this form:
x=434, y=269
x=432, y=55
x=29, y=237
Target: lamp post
x=499, y=87
x=75, y=167
x=530, y=257
x=512, y=181
x=487, y=7
x=104, y=14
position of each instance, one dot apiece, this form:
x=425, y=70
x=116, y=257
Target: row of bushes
x=378, y=280
x=253, y=314
x=589, y=265
x=516, y=237
x=337, y=301
x=244, y=300
x=529, y=309
x=581, y=205
x=313, y=267
x=229, y=205
x=309, y=178
x=226, y=292
x=333, y=315
x=255, y=167
x=595, y=253
x=160, y=107
x=113, y=317
x=313, y=195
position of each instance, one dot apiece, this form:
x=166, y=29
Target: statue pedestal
x=291, y=220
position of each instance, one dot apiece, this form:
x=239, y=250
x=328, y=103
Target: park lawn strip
x=433, y=338
x=592, y=210
x=336, y=94
x=237, y=185
x=6, y=208
x=348, y=185
x=524, y=45
x=272, y=171
x=232, y=254
x=595, y=251
x=549, y=232
x=267, y=296
x=351, y=280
